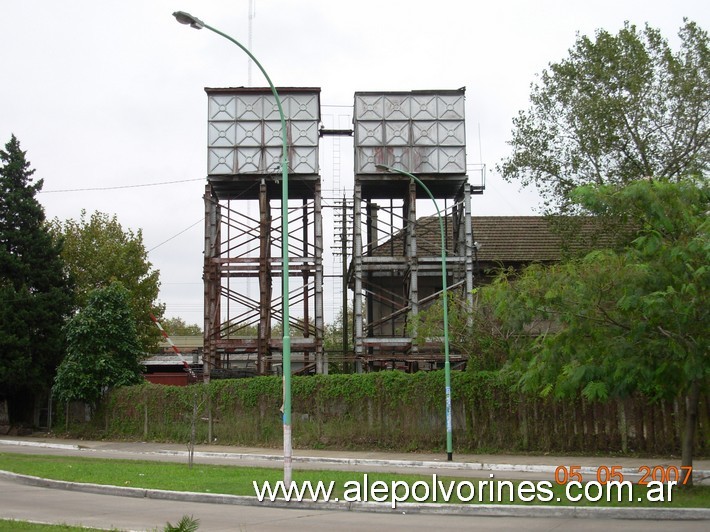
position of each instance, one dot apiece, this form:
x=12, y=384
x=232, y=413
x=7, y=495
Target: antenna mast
x=252, y=14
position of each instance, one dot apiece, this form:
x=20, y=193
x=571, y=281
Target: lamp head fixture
x=186, y=18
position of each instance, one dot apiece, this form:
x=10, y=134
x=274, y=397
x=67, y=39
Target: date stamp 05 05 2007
x=604, y=474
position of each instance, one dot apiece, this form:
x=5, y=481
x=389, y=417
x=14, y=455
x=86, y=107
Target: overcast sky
x=108, y=93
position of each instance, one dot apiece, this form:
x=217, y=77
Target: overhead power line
x=121, y=186
x=176, y=235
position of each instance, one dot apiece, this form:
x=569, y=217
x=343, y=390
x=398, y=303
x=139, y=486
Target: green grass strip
x=235, y=480
x=12, y=525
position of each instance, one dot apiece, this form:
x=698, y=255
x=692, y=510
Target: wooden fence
x=393, y=410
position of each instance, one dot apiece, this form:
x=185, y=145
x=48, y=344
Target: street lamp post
x=194, y=22
x=447, y=364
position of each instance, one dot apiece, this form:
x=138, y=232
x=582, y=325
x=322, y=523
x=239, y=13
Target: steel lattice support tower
x=396, y=269
x=243, y=203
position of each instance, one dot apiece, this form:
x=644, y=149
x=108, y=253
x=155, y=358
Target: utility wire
x=176, y=235
x=121, y=186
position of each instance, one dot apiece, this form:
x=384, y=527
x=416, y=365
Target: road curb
x=45, y=445
x=698, y=474
x=491, y=510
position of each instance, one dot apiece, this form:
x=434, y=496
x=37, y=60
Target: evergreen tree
x=35, y=291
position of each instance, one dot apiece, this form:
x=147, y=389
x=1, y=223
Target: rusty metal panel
x=426, y=159
x=249, y=160
x=397, y=107
x=419, y=131
x=369, y=133
x=369, y=107
x=244, y=134
x=397, y=133
x=452, y=159
x=368, y=157
x=424, y=133
x=272, y=133
x=424, y=107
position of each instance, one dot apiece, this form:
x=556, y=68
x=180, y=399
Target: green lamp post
x=447, y=364
x=194, y=22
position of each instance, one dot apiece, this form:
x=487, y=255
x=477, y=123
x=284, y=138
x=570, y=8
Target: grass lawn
x=236, y=480
x=10, y=525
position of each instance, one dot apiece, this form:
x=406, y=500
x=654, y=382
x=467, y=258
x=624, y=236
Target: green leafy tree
x=234, y=328
x=35, y=292
x=98, y=251
x=178, y=327
x=475, y=331
x=333, y=343
x=619, y=322
x=618, y=108
x=333, y=333
x=103, y=349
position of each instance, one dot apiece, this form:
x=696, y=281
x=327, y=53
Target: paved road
x=125, y=513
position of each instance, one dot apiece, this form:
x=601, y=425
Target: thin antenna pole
x=480, y=149
x=252, y=14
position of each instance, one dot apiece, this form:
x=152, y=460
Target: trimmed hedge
x=395, y=410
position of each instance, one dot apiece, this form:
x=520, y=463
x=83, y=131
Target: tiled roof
x=166, y=360
x=515, y=239
x=500, y=239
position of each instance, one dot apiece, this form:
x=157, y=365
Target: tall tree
x=98, y=251
x=618, y=108
x=35, y=292
x=103, y=350
x=179, y=327
x=623, y=321
x=487, y=348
